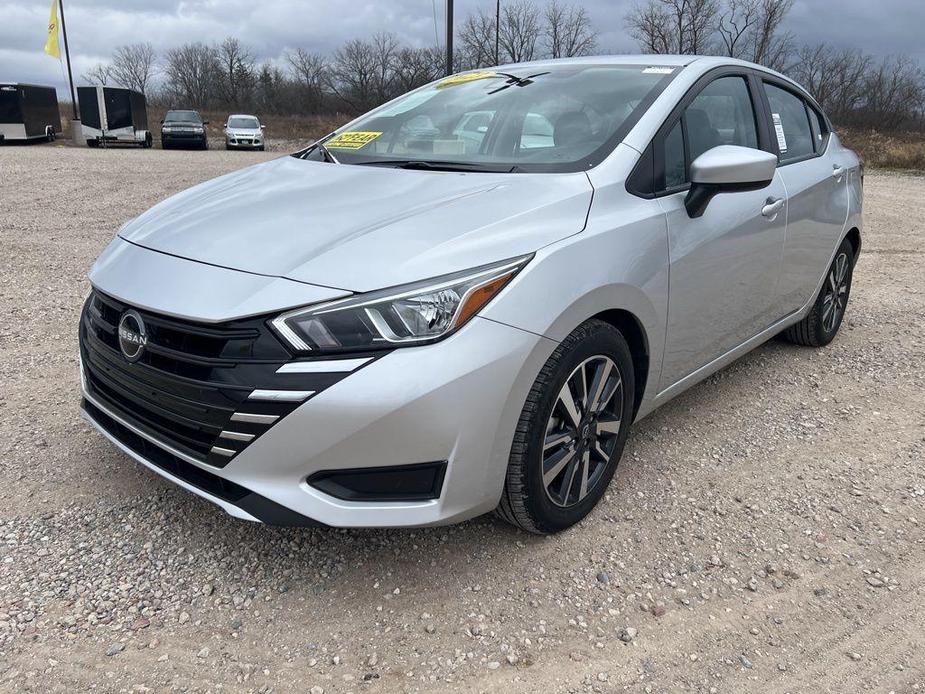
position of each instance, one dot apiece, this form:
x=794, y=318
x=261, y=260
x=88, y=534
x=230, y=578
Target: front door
x=724, y=265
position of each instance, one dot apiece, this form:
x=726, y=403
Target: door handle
x=838, y=171
x=772, y=206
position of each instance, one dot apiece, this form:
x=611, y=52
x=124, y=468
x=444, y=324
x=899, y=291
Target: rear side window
x=820, y=132
x=790, y=121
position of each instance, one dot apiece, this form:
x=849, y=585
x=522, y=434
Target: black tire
x=526, y=502
x=819, y=327
x=261, y=148
x=93, y=143
x=164, y=145
x=148, y=142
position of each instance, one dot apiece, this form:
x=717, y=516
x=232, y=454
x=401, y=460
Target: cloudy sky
x=270, y=27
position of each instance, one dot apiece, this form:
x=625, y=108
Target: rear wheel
x=821, y=325
x=571, y=432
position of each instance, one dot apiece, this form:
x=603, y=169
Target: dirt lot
x=764, y=531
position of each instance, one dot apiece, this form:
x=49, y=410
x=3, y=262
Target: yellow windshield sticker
x=466, y=77
x=351, y=140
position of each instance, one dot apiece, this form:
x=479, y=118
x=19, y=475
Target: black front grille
x=190, y=379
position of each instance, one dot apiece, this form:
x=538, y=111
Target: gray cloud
x=270, y=27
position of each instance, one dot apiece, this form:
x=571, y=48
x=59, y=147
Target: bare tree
x=237, y=74
x=568, y=30
x=520, y=31
x=309, y=70
x=190, y=72
x=415, y=67
x=97, y=75
x=835, y=77
x=361, y=71
x=894, y=92
x=133, y=66
x=674, y=26
x=477, y=41
x=750, y=30
x=768, y=45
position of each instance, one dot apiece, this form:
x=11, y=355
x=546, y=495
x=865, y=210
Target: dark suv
x=184, y=129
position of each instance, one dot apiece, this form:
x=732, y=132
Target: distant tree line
x=854, y=88
x=359, y=75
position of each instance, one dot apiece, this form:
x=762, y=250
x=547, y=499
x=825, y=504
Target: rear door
x=817, y=189
x=724, y=265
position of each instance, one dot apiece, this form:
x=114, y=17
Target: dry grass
x=901, y=151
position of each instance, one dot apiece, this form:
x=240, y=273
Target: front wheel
x=571, y=431
x=821, y=325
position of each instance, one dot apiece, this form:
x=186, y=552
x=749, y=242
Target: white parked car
x=244, y=132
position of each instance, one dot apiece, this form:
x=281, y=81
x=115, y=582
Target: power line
x=433, y=4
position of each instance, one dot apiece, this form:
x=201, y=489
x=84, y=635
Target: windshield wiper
x=515, y=81
x=319, y=145
x=427, y=165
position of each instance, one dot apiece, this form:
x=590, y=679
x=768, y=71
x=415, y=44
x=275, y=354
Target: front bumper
x=182, y=139
x=456, y=401
x=244, y=142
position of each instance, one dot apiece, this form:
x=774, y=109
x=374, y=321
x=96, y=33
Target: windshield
x=554, y=118
x=182, y=117
x=243, y=122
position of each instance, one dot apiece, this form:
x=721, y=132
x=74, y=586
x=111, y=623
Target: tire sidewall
x=824, y=336
x=606, y=341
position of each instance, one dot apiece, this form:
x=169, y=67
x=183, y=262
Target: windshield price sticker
x=467, y=77
x=779, y=129
x=351, y=140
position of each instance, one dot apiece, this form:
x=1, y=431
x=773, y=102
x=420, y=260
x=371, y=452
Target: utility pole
x=449, y=37
x=497, y=32
x=67, y=56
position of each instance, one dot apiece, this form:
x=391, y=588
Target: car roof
x=242, y=115
x=700, y=63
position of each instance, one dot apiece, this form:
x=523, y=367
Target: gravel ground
x=764, y=530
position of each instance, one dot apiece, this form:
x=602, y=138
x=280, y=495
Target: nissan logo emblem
x=132, y=335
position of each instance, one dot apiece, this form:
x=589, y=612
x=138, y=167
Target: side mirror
x=727, y=169
x=263, y=127
x=205, y=122
x=162, y=122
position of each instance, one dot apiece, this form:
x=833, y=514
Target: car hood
x=243, y=131
x=361, y=228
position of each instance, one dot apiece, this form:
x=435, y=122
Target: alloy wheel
x=836, y=296
x=582, y=430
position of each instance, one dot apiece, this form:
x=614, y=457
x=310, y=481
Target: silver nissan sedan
x=461, y=301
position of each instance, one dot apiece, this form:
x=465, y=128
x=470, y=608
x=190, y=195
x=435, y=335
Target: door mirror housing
x=727, y=169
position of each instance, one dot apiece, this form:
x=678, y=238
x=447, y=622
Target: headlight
x=410, y=315
x=166, y=129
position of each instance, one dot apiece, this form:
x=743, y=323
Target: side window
x=721, y=114
x=820, y=132
x=675, y=165
x=537, y=132
x=790, y=122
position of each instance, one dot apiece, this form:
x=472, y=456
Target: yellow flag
x=51, y=45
